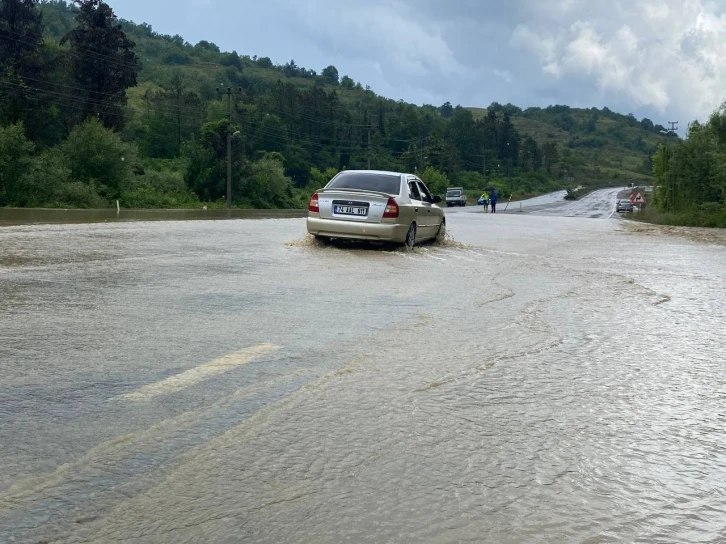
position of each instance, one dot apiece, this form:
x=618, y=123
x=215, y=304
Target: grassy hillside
x=595, y=146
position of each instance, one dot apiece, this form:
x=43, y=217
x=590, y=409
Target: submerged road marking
x=200, y=373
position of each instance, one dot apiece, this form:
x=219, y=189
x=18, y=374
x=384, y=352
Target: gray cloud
x=660, y=58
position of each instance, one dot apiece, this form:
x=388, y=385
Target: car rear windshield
x=453, y=193
x=380, y=183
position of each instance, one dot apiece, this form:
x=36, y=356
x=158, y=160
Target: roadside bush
x=159, y=189
x=711, y=215
x=267, y=186
x=48, y=183
x=470, y=180
x=320, y=179
x=95, y=153
x=165, y=182
x=77, y=195
x=436, y=181
x=15, y=156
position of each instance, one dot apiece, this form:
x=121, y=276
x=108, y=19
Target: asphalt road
x=535, y=377
x=599, y=204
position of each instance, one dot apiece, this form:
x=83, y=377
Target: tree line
x=83, y=121
x=691, y=175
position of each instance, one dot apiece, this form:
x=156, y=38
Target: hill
x=596, y=146
x=293, y=127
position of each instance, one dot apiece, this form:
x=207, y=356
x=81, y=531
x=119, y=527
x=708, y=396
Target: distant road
x=599, y=204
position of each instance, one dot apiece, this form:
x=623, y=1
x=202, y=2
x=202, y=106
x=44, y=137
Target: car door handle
x=415, y=209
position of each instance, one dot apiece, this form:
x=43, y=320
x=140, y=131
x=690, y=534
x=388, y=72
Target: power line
x=281, y=136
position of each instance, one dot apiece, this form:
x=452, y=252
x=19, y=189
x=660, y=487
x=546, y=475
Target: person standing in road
x=493, y=200
x=485, y=198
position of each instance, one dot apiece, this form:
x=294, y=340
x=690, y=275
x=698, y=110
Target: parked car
x=623, y=205
x=375, y=206
x=455, y=196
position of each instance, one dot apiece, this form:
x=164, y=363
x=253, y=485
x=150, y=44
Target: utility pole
x=229, y=93
x=369, y=146
x=422, y=157
x=484, y=165
x=673, y=126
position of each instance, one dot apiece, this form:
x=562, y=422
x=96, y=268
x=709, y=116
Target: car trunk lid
x=352, y=205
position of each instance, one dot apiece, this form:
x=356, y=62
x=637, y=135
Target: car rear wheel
x=441, y=233
x=411, y=236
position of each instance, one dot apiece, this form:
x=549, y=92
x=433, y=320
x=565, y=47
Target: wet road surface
x=599, y=204
x=31, y=216
x=541, y=379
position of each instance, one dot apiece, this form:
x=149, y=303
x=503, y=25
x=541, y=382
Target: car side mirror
x=437, y=199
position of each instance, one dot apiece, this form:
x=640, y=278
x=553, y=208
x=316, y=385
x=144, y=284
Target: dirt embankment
x=696, y=234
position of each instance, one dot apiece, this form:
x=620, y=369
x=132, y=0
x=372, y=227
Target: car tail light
x=391, y=211
x=314, y=206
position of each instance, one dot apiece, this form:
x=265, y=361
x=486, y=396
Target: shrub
x=15, y=155
x=96, y=153
x=267, y=186
x=48, y=183
x=159, y=189
x=436, y=181
x=320, y=179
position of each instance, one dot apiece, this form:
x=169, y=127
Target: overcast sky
x=664, y=59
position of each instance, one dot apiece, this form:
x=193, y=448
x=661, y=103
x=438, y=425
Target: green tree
x=446, y=110
x=347, y=83
x=98, y=156
x=21, y=30
x=21, y=26
x=264, y=62
x=330, y=74
x=531, y=154
x=267, y=186
x=470, y=180
x=549, y=155
x=206, y=172
x=103, y=62
x=436, y=181
x=319, y=179
x=48, y=182
x=169, y=118
x=269, y=134
x=15, y=154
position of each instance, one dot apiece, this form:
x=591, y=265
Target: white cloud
x=667, y=56
x=387, y=33
x=660, y=58
x=506, y=75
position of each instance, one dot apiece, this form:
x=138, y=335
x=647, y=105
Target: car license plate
x=350, y=210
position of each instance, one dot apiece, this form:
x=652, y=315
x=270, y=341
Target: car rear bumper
x=357, y=230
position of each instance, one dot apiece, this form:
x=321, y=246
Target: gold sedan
x=376, y=206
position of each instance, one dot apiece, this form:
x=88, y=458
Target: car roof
x=376, y=172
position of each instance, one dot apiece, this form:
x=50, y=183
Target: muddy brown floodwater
x=535, y=379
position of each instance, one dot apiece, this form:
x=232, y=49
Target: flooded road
x=599, y=204
x=35, y=216
x=540, y=379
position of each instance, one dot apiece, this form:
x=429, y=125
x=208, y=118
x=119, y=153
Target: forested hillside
x=593, y=144
x=691, y=176
x=95, y=109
